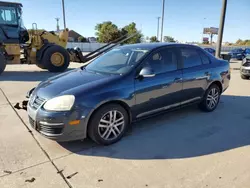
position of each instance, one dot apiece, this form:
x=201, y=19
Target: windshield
x=8, y=15
x=117, y=61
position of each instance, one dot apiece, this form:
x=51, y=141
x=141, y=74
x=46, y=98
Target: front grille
x=245, y=71
x=36, y=102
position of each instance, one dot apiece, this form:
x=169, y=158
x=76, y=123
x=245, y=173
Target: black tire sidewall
x=95, y=119
x=244, y=77
x=3, y=63
x=47, y=56
x=41, y=66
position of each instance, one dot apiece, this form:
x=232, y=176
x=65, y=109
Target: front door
x=162, y=91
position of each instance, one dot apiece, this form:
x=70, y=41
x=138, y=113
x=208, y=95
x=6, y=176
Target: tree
x=130, y=30
x=82, y=39
x=107, y=32
x=153, y=39
x=168, y=39
x=239, y=42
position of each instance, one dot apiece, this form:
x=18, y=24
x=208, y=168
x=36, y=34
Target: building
x=73, y=36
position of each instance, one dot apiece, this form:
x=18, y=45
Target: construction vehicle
x=46, y=49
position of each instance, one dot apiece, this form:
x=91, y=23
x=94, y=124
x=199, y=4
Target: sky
x=184, y=19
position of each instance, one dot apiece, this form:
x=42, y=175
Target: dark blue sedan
x=100, y=100
x=237, y=53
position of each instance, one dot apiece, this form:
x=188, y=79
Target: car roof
x=155, y=45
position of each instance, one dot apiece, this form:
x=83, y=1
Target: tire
x=98, y=134
x=3, y=63
x=205, y=103
x=59, y=55
x=41, y=66
x=244, y=77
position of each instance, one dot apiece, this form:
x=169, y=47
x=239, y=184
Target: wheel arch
x=218, y=83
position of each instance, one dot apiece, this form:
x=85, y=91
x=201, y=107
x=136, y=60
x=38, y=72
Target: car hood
x=61, y=83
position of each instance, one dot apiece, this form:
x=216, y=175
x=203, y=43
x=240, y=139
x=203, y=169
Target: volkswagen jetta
x=100, y=100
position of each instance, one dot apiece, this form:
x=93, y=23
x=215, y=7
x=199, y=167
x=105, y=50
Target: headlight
x=61, y=103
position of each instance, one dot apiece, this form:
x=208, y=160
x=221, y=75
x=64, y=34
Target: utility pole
x=162, y=19
x=57, y=24
x=64, y=21
x=221, y=28
x=158, y=25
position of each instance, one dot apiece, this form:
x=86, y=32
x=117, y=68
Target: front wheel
x=56, y=59
x=211, y=99
x=41, y=66
x=108, y=124
x=3, y=63
x=244, y=77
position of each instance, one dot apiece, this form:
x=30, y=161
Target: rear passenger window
x=204, y=58
x=190, y=57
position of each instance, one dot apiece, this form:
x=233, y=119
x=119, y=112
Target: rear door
x=196, y=73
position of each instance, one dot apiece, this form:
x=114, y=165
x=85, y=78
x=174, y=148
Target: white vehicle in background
x=92, y=40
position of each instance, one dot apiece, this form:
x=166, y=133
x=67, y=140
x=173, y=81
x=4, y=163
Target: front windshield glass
x=8, y=15
x=117, y=61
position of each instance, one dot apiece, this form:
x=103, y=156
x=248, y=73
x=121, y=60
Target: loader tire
x=3, y=63
x=41, y=66
x=56, y=59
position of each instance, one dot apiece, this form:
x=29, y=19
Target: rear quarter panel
x=220, y=71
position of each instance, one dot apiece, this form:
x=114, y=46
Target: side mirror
x=146, y=72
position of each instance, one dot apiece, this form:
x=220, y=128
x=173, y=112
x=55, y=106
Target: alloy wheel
x=212, y=98
x=111, y=125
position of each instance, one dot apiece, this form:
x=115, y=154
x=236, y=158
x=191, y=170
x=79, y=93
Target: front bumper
x=56, y=125
x=245, y=70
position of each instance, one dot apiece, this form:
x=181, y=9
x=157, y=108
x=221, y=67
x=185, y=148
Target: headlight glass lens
x=61, y=103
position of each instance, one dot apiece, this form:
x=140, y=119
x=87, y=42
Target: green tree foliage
x=82, y=39
x=243, y=42
x=130, y=30
x=107, y=32
x=153, y=39
x=168, y=39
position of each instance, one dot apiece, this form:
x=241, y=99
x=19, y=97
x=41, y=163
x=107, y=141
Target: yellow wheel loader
x=46, y=49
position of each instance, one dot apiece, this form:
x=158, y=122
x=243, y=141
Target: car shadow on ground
x=180, y=134
x=27, y=76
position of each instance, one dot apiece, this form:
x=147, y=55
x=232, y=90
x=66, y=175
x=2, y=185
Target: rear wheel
x=108, y=124
x=3, y=63
x=56, y=59
x=211, y=99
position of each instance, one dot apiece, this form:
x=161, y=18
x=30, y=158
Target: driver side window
x=162, y=61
